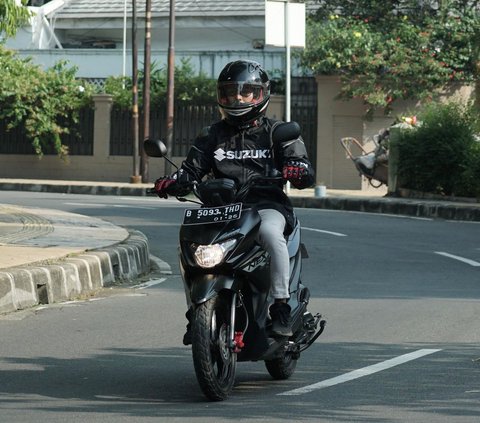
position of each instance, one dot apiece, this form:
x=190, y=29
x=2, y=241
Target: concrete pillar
x=276, y=108
x=327, y=89
x=336, y=119
x=101, y=131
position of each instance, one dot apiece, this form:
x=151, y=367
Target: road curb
x=385, y=205
x=75, y=188
x=418, y=207
x=73, y=276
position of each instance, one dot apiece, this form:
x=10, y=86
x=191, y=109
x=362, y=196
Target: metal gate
x=190, y=119
x=304, y=111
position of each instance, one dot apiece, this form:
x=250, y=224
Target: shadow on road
x=154, y=383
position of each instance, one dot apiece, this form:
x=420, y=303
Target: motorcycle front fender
x=204, y=287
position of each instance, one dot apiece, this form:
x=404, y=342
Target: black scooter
x=226, y=274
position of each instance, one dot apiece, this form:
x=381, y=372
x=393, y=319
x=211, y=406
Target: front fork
x=233, y=307
x=236, y=337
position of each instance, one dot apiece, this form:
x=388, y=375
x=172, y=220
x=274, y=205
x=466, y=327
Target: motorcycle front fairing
x=244, y=271
x=203, y=283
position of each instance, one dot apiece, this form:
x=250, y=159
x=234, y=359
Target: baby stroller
x=372, y=165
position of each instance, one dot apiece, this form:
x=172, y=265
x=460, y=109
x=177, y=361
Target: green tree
x=12, y=16
x=386, y=50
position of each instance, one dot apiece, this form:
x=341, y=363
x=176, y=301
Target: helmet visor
x=238, y=94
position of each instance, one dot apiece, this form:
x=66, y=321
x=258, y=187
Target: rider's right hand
x=162, y=185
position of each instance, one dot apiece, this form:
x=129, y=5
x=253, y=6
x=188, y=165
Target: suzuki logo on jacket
x=221, y=154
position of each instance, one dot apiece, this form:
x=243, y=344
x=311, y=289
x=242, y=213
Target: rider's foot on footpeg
x=281, y=323
x=187, y=337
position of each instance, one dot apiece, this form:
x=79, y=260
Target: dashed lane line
x=120, y=206
x=365, y=371
x=462, y=259
x=323, y=231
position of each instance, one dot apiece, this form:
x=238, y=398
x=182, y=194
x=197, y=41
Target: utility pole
x=170, y=83
x=135, y=178
x=288, y=59
x=146, y=89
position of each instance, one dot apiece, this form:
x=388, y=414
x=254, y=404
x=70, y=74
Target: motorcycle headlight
x=210, y=255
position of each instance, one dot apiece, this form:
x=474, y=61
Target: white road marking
x=462, y=259
x=111, y=205
x=122, y=206
x=149, y=283
x=85, y=204
x=323, y=232
x=365, y=371
x=148, y=199
x=403, y=216
x=170, y=201
x=375, y=215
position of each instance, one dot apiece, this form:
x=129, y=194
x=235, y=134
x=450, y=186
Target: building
x=96, y=35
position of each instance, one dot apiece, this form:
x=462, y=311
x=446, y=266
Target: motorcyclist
x=239, y=147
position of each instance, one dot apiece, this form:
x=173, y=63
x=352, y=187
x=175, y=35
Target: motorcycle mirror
x=155, y=148
x=286, y=131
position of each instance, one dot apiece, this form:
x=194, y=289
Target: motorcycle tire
x=213, y=359
x=281, y=368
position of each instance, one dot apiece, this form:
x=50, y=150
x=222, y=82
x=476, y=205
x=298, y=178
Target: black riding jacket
x=226, y=151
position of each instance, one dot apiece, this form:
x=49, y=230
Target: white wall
x=210, y=42
x=95, y=63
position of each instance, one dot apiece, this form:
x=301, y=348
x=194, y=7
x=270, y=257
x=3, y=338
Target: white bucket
x=320, y=191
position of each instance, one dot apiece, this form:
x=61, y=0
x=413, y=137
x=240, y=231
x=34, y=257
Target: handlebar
x=238, y=194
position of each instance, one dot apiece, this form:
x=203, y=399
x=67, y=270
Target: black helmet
x=243, y=92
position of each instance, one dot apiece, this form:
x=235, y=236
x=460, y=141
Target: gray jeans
x=271, y=238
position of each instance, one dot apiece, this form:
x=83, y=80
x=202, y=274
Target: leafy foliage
x=386, y=50
x=190, y=87
x=442, y=155
x=12, y=16
x=43, y=102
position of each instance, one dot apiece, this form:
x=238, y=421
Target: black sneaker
x=187, y=337
x=281, y=324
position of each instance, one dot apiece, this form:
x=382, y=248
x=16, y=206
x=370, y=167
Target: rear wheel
x=213, y=359
x=281, y=368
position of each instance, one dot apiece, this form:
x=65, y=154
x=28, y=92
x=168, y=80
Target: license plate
x=212, y=214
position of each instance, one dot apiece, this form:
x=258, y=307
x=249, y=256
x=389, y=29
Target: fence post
x=101, y=126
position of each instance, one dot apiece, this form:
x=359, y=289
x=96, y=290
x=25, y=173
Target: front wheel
x=213, y=359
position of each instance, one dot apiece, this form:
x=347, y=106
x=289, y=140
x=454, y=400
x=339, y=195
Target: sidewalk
x=48, y=255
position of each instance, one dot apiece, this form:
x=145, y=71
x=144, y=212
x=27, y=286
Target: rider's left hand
x=295, y=171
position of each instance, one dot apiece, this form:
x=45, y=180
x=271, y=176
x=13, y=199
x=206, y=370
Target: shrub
x=45, y=103
x=442, y=155
x=189, y=87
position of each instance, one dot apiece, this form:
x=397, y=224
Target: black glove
x=162, y=185
x=295, y=172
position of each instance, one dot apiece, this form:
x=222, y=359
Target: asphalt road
x=401, y=297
